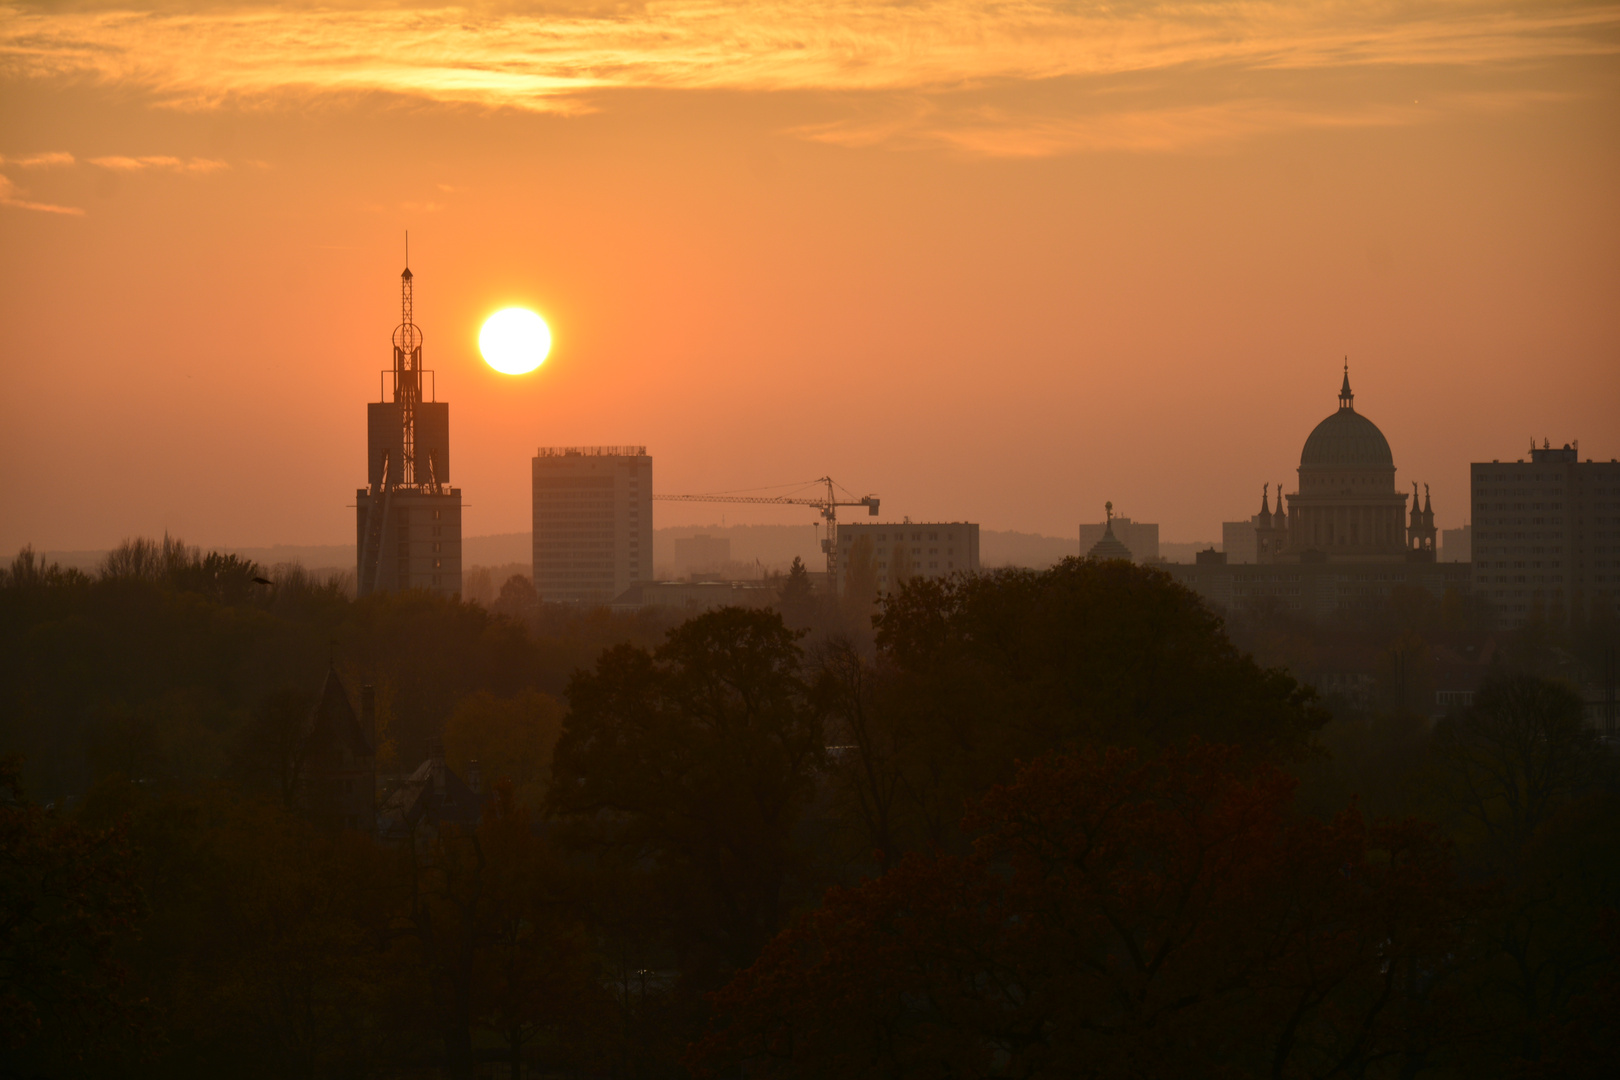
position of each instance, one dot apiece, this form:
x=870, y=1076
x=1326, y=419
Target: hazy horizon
x=991, y=264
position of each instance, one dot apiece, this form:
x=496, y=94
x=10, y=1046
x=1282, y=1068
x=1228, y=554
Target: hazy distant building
x=1547, y=535
x=701, y=553
x=911, y=549
x=1457, y=545
x=1344, y=539
x=1139, y=537
x=592, y=521
x=408, y=517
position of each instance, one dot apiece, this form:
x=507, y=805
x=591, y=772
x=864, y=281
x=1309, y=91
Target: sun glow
x=514, y=341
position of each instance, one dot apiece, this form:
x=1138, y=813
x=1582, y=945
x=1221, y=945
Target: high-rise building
x=1238, y=541
x=1457, y=545
x=592, y=521
x=408, y=517
x=1547, y=535
x=911, y=549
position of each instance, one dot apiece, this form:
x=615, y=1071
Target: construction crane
x=827, y=506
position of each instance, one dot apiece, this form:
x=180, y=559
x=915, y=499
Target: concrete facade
x=592, y=522
x=416, y=536
x=911, y=549
x=1547, y=535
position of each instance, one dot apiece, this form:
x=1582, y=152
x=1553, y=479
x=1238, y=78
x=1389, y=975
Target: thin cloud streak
x=38, y=161
x=158, y=162
x=991, y=131
x=565, y=63
x=12, y=195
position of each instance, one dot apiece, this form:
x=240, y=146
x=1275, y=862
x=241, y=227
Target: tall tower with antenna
x=408, y=517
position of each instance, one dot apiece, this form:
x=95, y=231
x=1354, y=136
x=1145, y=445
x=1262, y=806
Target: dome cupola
x=1346, y=440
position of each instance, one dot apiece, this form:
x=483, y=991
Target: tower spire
x=407, y=370
x=1345, y=396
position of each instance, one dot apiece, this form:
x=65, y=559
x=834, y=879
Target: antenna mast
x=407, y=370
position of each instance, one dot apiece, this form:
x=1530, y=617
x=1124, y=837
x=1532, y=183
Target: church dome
x=1346, y=440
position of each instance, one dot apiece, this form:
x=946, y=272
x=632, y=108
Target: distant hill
x=771, y=548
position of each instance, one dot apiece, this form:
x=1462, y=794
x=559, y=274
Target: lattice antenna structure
x=407, y=371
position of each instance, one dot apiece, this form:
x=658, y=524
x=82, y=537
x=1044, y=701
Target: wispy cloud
x=38, y=161
x=12, y=195
x=1001, y=131
x=159, y=163
x=566, y=63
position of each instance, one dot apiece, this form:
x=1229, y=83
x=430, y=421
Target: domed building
x=1345, y=539
x=1347, y=508
x=1109, y=547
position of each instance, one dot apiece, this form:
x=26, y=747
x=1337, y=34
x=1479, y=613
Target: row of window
x=881, y=537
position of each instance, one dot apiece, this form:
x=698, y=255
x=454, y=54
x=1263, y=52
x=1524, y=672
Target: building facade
x=1547, y=535
x=592, y=522
x=911, y=549
x=408, y=517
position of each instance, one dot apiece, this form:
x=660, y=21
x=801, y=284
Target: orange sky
x=998, y=262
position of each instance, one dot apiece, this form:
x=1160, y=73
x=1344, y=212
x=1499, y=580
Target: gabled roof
x=334, y=725
x=433, y=795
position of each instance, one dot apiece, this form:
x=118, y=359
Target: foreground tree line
x=1034, y=824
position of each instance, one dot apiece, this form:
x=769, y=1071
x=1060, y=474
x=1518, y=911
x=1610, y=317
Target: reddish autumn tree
x=1122, y=915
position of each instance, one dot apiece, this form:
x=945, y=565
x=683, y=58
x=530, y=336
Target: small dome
x=1109, y=547
x=1346, y=440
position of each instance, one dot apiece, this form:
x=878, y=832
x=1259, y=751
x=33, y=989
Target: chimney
x=368, y=717
x=475, y=777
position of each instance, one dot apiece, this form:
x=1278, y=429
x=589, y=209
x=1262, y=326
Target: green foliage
x=701, y=759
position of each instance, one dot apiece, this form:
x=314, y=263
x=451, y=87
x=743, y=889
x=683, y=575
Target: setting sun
x=514, y=341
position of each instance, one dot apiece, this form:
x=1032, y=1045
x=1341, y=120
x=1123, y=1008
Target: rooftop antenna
x=407, y=369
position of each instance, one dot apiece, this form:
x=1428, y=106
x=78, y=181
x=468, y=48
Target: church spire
x=1345, y=396
x=1263, y=518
